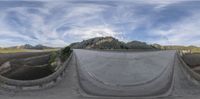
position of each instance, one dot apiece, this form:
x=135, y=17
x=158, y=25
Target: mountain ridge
x=29, y=46
x=113, y=43
x=109, y=43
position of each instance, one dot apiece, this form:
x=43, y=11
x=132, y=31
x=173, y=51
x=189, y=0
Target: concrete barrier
x=192, y=73
x=35, y=84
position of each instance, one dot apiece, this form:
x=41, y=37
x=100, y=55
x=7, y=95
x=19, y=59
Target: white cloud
x=164, y=2
x=87, y=20
x=8, y=43
x=89, y=32
x=38, y=27
x=160, y=4
x=6, y=31
x=44, y=29
x=184, y=32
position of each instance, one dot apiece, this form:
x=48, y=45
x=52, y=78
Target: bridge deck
x=165, y=77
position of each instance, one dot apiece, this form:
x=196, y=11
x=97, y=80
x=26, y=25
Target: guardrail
x=192, y=74
x=35, y=84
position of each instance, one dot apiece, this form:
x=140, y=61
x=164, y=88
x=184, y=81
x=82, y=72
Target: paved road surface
x=113, y=75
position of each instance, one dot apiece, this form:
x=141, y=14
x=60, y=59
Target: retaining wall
x=35, y=84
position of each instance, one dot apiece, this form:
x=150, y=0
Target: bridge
x=92, y=74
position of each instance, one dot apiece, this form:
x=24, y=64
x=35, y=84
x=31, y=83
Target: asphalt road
x=120, y=75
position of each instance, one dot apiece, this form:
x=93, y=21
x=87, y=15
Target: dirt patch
x=30, y=68
x=9, y=56
x=29, y=72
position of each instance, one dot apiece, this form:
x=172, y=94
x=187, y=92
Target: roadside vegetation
x=57, y=58
x=65, y=53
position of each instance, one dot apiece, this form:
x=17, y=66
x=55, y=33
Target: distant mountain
x=180, y=47
x=99, y=43
x=176, y=47
x=28, y=46
x=109, y=43
x=39, y=46
x=139, y=45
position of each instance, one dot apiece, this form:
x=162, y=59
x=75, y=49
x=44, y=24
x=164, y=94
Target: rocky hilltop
x=28, y=46
x=110, y=43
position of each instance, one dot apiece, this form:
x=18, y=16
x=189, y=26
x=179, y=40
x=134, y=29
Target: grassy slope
x=193, y=49
x=12, y=50
x=24, y=50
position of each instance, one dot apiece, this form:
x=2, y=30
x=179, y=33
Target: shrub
x=65, y=53
x=53, y=57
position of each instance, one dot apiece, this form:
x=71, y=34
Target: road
x=120, y=75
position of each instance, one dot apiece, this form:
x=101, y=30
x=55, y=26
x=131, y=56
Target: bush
x=53, y=57
x=65, y=53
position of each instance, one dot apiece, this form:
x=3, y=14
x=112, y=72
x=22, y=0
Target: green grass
x=195, y=50
x=50, y=50
x=13, y=50
x=24, y=50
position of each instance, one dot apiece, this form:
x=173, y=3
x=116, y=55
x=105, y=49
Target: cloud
x=40, y=24
x=163, y=2
x=159, y=4
x=63, y=22
x=92, y=31
x=27, y=25
x=184, y=32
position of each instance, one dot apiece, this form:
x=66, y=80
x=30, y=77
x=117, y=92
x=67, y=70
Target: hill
x=28, y=46
x=193, y=49
x=139, y=45
x=109, y=43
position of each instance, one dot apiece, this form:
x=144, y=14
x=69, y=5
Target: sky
x=58, y=23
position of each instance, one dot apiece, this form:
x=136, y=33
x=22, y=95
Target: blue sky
x=59, y=23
